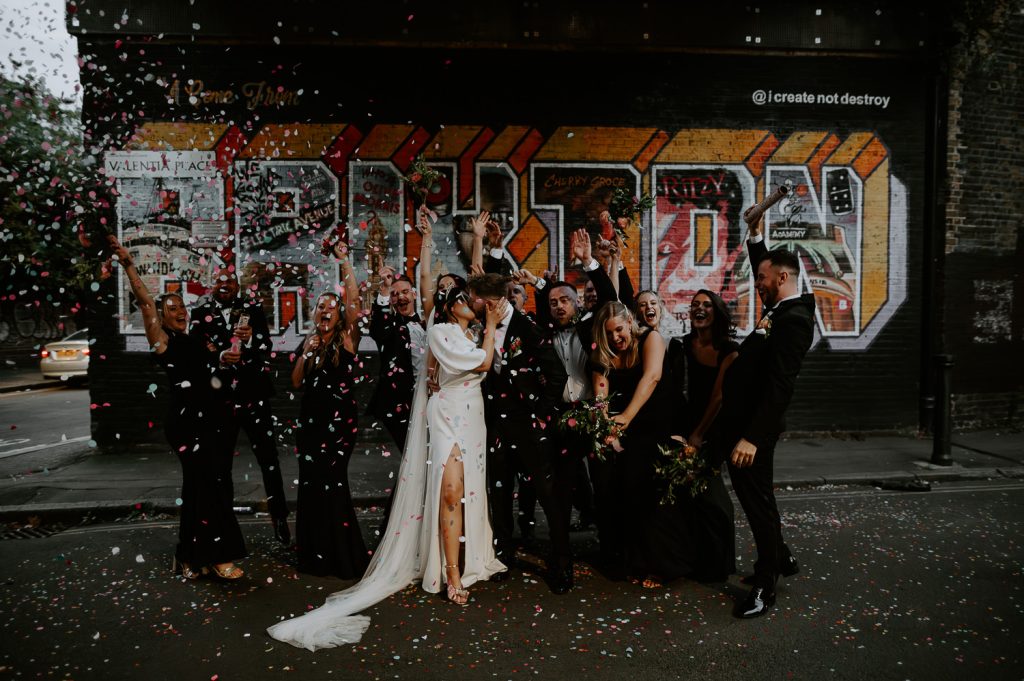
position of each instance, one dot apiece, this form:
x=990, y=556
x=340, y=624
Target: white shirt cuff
x=756, y=238
x=498, y=253
x=541, y=283
x=592, y=265
x=383, y=301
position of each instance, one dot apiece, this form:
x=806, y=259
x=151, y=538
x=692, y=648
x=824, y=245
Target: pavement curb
x=126, y=508
x=23, y=387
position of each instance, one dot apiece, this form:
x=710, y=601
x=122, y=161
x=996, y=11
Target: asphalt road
x=895, y=585
x=42, y=428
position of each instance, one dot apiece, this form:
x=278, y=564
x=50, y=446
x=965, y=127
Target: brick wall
x=984, y=289
x=670, y=123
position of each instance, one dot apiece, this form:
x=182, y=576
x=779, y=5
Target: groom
x=755, y=393
x=520, y=392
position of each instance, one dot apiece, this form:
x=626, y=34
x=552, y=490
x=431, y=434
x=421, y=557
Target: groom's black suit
x=519, y=404
x=755, y=393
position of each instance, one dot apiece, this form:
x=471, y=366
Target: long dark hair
x=441, y=297
x=722, y=328
x=445, y=301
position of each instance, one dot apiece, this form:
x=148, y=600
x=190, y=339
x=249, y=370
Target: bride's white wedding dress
x=411, y=548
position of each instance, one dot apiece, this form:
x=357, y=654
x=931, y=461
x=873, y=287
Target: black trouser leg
x=607, y=501
x=754, y=488
x=258, y=422
x=501, y=472
x=551, y=475
x=582, y=491
x=527, y=498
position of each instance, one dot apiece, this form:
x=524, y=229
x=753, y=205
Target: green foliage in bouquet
x=683, y=470
x=590, y=421
x=625, y=204
x=421, y=178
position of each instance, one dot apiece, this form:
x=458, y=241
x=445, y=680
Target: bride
x=440, y=502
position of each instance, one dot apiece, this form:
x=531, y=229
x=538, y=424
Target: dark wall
x=867, y=380
x=983, y=287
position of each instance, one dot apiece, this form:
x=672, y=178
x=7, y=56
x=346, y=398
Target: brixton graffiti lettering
x=845, y=216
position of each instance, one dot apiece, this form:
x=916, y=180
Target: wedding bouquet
x=683, y=468
x=421, y=178
x=589, y=420
x=625, y=204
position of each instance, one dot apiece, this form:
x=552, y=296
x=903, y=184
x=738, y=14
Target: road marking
x=36, y=448
x=14, y=441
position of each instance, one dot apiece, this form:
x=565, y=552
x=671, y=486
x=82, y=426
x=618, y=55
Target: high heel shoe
x=457, y=595
x=185, y=570
x=227, y=571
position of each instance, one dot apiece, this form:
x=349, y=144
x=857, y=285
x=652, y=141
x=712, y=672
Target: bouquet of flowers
x=626, y=206
x=589, y=419
x=333, y=238
x=683, y=468
x=421, y=178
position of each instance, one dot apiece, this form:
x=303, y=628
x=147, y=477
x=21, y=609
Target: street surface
x=43, y=428
x=895, y=585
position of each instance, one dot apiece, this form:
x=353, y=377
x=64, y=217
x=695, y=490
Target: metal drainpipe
x=933, y=281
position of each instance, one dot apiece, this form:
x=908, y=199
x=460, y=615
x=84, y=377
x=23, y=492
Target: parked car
x=66, y=358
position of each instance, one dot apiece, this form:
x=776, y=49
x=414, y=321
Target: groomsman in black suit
x=564, y=320
x=238, y=331
x=520, y=392
x=755, y=393
x=399, y=334
x=402, y=343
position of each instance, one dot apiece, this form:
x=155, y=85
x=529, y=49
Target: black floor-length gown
x=327, y=536
x=208, y=532
x=695, y=537
x=624, y=483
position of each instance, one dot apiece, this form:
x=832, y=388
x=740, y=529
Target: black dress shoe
x=756, y=604
x=787, y=568
x=560, y=581
x=281, y=531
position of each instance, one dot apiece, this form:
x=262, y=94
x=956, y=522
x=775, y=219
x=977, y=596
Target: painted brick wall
x=664, y=120
x=984, y=289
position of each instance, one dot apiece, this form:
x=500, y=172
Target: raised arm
x=426, y=279
x=620, y=274
x=351, y=302
x=479, y=227
x=155, y=333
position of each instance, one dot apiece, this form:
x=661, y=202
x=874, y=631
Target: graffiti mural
x=290, y=185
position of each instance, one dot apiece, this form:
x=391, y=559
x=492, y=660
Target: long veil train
x=396, y=563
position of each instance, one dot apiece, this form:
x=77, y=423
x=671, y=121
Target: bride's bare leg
x=451, y=519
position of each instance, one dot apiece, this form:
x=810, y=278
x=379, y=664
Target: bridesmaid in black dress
x=696, y=536
x=629, y=365
x=209, y=538
x=327, y=535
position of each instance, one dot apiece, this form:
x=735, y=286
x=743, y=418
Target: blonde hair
x=603, y=354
